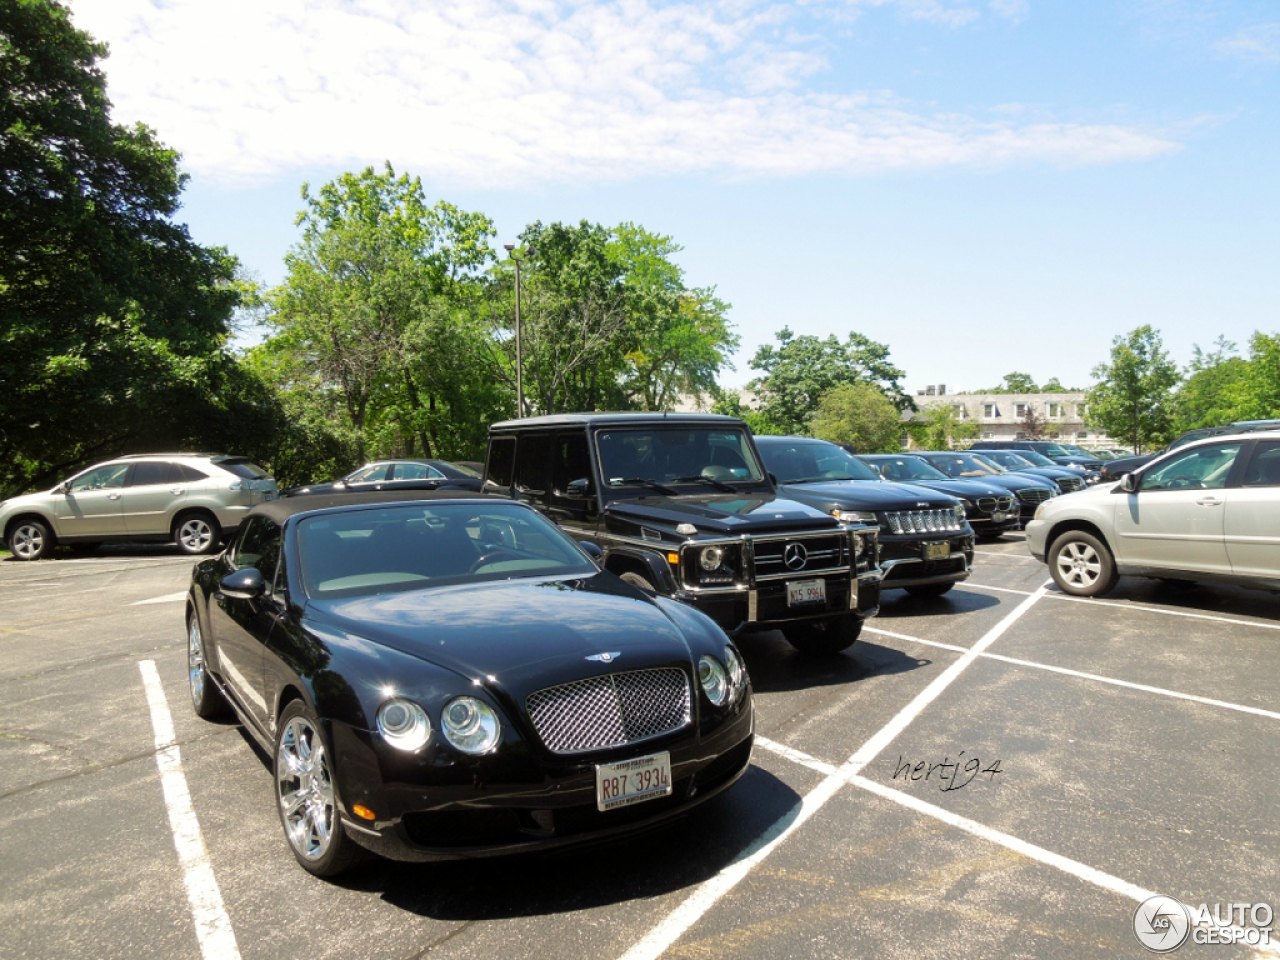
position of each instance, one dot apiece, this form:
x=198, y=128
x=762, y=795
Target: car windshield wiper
x=815, y=479
x=703, y=478
x=643, y=482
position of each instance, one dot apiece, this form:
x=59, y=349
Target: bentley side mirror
x=593, y=549
x=246, y=584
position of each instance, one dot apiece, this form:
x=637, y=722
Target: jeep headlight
x=854, y=516
x=960, y=510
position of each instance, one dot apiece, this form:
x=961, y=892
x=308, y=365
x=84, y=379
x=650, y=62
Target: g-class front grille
x=610, y=711
x=923, y=521
x=801, y=555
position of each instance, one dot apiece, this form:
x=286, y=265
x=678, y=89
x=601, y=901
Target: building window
x=1082, y=409
x=990, y=411
x=1020, y=409
x=960, y=410
x=1055, y=411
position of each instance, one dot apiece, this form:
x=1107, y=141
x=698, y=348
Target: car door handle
x=1209, y=502
x=113, y=496
x=176, y=491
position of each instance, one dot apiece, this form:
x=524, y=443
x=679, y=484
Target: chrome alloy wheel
x=304, y=789
x=195, y=535
x=1080, y=565
x=195, y=661
x=27, y=542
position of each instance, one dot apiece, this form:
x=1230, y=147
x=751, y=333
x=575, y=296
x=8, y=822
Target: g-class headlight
x=711, y=558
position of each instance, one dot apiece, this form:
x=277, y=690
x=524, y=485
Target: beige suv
x=195, y=500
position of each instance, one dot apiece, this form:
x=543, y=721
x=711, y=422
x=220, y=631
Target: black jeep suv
x=679, y=504
x=926, y=543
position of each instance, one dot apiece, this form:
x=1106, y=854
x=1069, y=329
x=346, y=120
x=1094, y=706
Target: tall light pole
x=511, y=252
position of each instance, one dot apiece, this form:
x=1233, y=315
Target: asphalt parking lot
x=1003, y=772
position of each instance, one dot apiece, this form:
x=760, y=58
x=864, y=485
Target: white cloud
x=495, y=92
x=1260, y=42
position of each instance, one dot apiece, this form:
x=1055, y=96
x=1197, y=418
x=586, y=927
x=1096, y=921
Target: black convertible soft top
x=286, y=507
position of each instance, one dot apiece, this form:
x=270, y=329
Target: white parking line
x=1032, y=851
x=709, y=892
x=167, y=598
x=213, y=926
x=1125, y=605
x=1065, y=671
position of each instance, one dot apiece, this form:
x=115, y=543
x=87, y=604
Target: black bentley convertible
x=439, y=676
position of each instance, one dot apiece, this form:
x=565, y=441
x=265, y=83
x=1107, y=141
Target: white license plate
x=633, y=781
x=806, y=591
x=937, y=551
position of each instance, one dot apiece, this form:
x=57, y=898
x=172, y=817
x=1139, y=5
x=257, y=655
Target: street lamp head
x=509, y=247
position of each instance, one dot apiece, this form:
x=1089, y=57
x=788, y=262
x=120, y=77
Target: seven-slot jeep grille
x=610, y=711
x=923, y=521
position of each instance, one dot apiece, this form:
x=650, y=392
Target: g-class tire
x=830, y=635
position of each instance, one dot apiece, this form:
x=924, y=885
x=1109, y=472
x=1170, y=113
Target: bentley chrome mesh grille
x=610, y=711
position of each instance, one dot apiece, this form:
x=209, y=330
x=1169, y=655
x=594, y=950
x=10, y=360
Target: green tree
x=1133, y=399
x=679, y=339
x=859, y=414
x=1212, y=389
x=800, y=370
x=113, y=322
x=941, y=429
x=1256, y=393
x=381, y=302
x=729, y=403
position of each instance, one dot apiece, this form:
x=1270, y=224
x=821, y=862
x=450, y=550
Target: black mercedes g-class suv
x=679, y=504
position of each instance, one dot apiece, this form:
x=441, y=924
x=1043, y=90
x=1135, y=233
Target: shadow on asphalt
x=649, y=864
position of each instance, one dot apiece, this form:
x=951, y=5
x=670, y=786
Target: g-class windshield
x=658, y=457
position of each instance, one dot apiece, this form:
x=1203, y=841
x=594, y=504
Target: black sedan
x=1029, y=491
x=441, y=676
x=398, y=475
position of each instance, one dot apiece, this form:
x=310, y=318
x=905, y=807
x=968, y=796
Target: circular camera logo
x=1161, y=924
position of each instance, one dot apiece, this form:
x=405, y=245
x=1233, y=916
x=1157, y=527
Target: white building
x=1002, y=416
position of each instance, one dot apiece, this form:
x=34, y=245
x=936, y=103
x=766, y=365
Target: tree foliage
x=800, y=370
x=941, y=429
x=113, y=322
x=1133, y=399
x=859, y=414
x=381, y=305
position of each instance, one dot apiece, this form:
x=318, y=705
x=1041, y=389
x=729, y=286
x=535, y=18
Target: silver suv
x=195, y=500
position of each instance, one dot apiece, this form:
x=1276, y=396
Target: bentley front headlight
x=470, y=725
x=715, y=684
x=403, y=724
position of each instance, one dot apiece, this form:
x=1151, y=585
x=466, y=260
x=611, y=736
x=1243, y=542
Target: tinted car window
x=258, y=546
x=502, y=461
x=103, y=478
x=181, y=473
x=571, y=460
x=150, y=472
x=533, y=466
x=414, y=471
x=1198, y=469
x=245, y=469
x=371, y=471
x=408, y=547
x=1264, y=468
x=795, y=461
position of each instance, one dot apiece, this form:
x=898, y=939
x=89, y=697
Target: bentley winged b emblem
x=606, y=657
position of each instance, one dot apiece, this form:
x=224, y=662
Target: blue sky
x=983, y=185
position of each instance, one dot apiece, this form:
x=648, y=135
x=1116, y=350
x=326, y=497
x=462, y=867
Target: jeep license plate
x=803, y=592
x=937, y=551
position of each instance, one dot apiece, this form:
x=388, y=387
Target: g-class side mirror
x=580, y=488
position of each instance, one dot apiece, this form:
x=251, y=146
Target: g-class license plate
x=937, y=551
x=802, y=592
x=633, y=781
